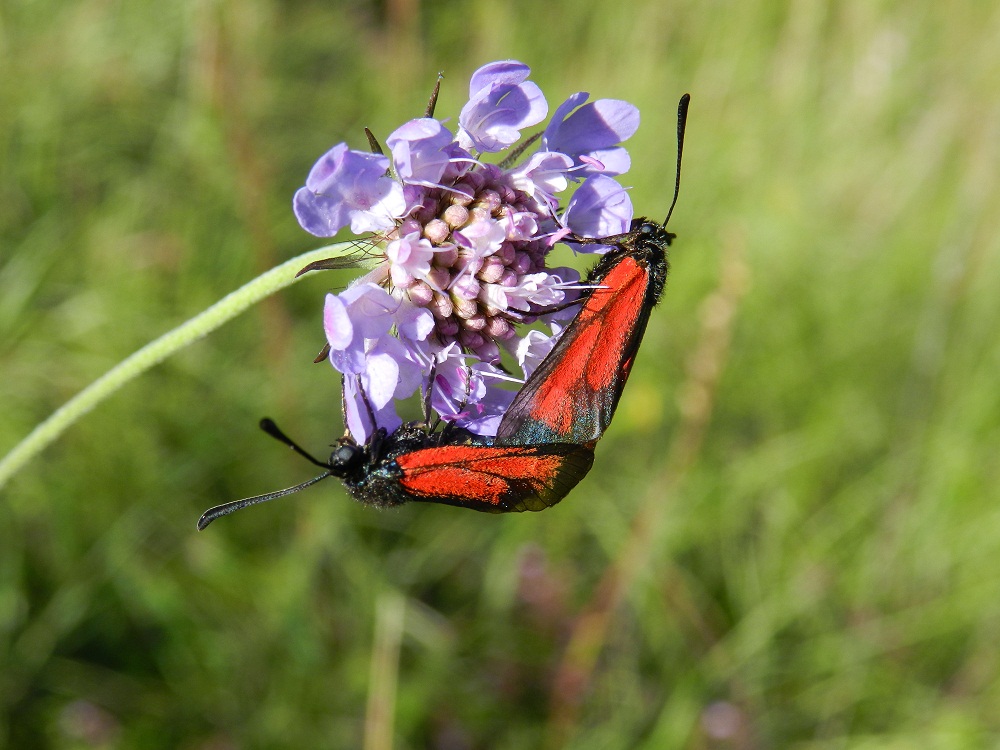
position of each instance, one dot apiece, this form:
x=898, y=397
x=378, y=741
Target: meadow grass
x=791, y=537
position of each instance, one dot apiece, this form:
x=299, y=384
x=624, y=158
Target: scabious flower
x=462, y=244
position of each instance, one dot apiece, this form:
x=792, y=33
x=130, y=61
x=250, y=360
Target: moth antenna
x=682, y=116
x=226, y=508
x=268, y=426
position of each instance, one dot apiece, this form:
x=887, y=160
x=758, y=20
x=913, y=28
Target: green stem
x=156, y=351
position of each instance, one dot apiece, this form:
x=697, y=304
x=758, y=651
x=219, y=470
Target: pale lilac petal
x=385, y=204
x=558, y=117
x=347, y=348
x=483, y=416
x=414, y=323
x=501, y=72
x=340, y=183
x=546, y=172
x=349, y=361
x=356, y=416
x=538, y=289
x=483, y=237
x=388, y=419
x=413, y=253
x=501, y=103
x=452, y=389
x=564, y=277
x=520, y=226
x=382, y=375
x=488, y=424
x=568, y=282
x=600, y=207
x=493, y=295
x=413, y=371
x=469, y=395
x=598, y=125
x=532, y=349
x=420, y=150
x=609, y=161
x=371, y=308
x=465, y=287
x=337, y=322
x=400, y=277
x=318, y=215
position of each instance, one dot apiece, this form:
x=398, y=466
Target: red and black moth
x=545, y=443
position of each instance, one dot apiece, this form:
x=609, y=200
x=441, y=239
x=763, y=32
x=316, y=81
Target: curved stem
x=156, y=351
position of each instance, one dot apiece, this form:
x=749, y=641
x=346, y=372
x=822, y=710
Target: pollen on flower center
x=481, y=231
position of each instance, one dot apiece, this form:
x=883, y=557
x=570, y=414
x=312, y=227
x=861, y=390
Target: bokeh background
x=791, y=537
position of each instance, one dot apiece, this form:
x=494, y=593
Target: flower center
x=482, y=234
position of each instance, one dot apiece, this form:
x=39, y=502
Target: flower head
x=463, y=243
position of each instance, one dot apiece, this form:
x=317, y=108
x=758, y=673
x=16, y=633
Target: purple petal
x=561, y=113
x=371, y=309
x=385, y=204
x=599, y=208
x=532, y=349
x=598, y=125
x=337, y=322
x=482, y=237
x=342, y=181
x=545, y=172
x=347, y=350
x=610, y=161
x=380, y=383
x=502, y=72
x=382, y=375
x=356, y=418
x=457, y=385
x=420, y=150
x=414, y=323
x=501, y=103
x=412, y=359
x=349, y=361
x=484, y=416
x=412, y=253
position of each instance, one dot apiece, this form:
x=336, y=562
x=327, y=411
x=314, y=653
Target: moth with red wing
x=545, y=443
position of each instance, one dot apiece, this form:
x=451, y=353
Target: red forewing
x=494, y=479
x=572, y=396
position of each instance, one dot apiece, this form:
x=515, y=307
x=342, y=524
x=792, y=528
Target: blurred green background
x=791, y=537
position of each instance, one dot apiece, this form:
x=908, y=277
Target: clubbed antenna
x=226, y=508
x=682, y=116
x=268, y=426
